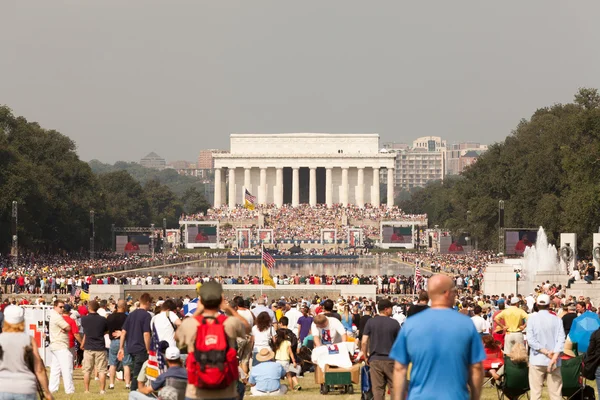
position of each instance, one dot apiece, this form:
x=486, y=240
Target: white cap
x=514, y=300
x=543, y=300
x=172, y=353
x=14, y=314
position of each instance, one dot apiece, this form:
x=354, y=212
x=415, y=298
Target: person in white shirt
x=530, y=302
x=262, y=307
x=398, y=315
x=293, y=315
x=327, y=330
x=480, y=323
x=166, y=322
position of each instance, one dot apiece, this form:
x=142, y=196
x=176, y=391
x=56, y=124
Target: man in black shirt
x=328, y=307
x=136, y=333
x=377, y=341
x=115, y=323
x=363, y=321
x=94, y=351
x=420, y=306
x=568, y=318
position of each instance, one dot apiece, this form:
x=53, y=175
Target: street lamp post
x=15, y=237
x=152, y=239
x=164, y=241
x=92, y=234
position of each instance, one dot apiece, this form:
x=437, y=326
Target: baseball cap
x=543, y=300
x=14, y=314
x=211, y=291
x=172, y=353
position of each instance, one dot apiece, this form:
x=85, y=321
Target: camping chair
x=179, y=385
x=515, y=381
x=573, y=384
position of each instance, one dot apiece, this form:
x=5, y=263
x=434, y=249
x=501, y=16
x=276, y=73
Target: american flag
x=251, y=199
x=267, y=259
x=418, y=278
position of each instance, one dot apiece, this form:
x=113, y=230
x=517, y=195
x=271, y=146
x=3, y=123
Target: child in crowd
x=284, y=355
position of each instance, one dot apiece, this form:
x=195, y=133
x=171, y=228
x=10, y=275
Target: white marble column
x=360, y=188
x=390, y=187
x=295, y=187
x=218, y=192
x=231, y=187
x=247, y=182
x=312, y=199
x=328, y=187
x=262, y=189
x=375, y=188
x=278, y=194
x=344, y=199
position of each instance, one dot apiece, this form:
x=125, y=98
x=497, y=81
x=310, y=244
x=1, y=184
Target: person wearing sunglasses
x=62, y=358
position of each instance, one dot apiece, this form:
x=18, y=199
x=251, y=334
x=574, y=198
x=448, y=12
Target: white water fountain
x=539, y=264
x=541, y=259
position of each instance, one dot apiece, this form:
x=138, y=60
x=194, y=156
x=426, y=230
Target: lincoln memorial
x=299, y=168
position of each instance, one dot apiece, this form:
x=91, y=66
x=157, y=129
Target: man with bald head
x=115, y=323
x=444, y=348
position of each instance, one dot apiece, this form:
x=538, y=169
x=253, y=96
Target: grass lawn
x=310, y=391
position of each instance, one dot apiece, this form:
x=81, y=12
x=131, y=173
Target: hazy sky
x=123, y=78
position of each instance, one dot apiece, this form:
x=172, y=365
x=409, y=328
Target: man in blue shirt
x=444, y=348
x=546, y=339
x=136, y=333
x=265, y=377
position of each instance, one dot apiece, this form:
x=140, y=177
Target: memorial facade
x=303, y=168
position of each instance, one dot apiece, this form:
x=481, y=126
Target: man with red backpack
x=211, y=337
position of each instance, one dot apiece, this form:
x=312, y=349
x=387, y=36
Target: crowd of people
x=279, y=340
x=303, y=223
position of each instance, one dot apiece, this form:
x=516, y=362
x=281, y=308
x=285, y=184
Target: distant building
x=461, y=155
x=153, y=160
x=182, y=164
x=419, y=164
x=205, y=158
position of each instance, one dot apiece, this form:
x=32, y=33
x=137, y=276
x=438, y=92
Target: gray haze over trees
x=123, y=78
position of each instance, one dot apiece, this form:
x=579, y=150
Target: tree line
x=547, y=171
x=55, y=192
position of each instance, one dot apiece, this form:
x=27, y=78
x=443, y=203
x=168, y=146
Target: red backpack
x=213, y=365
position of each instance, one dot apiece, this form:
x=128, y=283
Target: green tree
x=163, y=204
x=194, y=201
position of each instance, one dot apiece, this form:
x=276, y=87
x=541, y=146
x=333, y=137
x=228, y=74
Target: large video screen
x=454, y=244
x=518, y=240
x=397, y=234
x=133, y=243
x=202, y=234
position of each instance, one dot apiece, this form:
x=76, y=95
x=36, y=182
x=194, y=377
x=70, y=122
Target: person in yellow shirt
x=355, y=280
x=513, y=321
x=279, y=310
x=198, y=286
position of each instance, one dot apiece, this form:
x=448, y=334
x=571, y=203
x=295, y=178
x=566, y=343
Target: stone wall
x=122, y=291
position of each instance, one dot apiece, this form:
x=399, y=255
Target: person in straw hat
x=265, y=377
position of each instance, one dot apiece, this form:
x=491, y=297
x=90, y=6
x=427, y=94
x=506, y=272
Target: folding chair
x=573, y=383
x=515, y=381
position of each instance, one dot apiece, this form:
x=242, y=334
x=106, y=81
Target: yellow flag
x=266, y=276
x=248, y=205
x=84, y=296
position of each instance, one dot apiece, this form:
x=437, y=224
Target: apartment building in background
x=461, y=155
x=419, y=163
x=205, y=158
